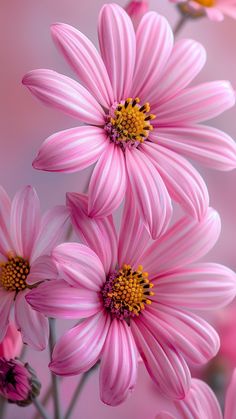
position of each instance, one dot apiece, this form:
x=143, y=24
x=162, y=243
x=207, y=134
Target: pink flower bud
x=12, y=344
x=136, y=10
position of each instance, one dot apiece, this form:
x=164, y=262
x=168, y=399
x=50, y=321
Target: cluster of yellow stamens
x=130, y=122
x=13, y=273
x=206, y=3
x=187, y=9
x=126, y=292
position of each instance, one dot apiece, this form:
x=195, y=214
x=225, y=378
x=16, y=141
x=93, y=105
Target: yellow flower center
x=127, y=291
x=13, y=273
x=129, y=123
x=206, y=3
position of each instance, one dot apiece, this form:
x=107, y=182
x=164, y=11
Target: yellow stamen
x=13, y=273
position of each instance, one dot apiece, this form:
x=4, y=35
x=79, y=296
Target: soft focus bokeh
x=26, y=44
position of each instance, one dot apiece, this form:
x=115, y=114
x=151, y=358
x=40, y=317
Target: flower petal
x=5, y=210
x=183, y=182
x=196, y=104
x=58, y=299
x=166, y=366
x=108, y=182
x=165, y=415
x=185, y=242
x=118, y=371
x=41, y=269
x=203, y=286
x=79, y=266
x=63, y=93
x=97, y=233
x=206, y=145
x=32, y=325
x=80, y=348
x=85, y=60
x=53, y=228
x=188, y=333
x=25, y=220
x=230, y=403
x=152, y=199
x=6, y=303
x=71, y=150
x=118, y=47
x=186, y=61
x=154, y=39
x=133, y=237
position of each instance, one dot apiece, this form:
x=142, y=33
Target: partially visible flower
x=18, y=382
x=11, y=345
x=26, y=241
x=132, y=294
x=142, y=118
x=201, y=403
x=213, y=9
x=136, y=9
x=226, y=326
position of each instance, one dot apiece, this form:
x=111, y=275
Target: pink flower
x=213, y=9
x=136, y=9
x=201, y=402
x=227, y=331
x=136, y=78
x=11, y=345
x=25, y=245
x=135, y=294
x=18, y=382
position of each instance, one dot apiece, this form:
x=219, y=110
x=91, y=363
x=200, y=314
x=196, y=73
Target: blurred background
x=25, y=45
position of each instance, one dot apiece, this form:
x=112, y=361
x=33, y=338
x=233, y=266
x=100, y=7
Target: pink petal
x=230, y=402
x=25, y=219
x=133, y=237
x=65, y=94
x=152, y=199
x=59, y=299
x=118, y=46
x=164, y=415
x=165, y=365
x=227, y=9
x=53, y=228
x=80, y=348
x=71, y=150
x=186, y=61
x=154, y=45
x=97, y=233
x=118, y=372
x=214, y=13
x=32, y=325
x=79, y=266
x=183, y=182
x=108, y=182
x=5, y=209
x=185, y=242
x=206, y=145
x=41, y=269
x=190, y=335
x=196, y=104
x=85, y=60
x=204, y=286
x=6, y=303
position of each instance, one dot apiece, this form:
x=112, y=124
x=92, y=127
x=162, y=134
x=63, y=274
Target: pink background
x=26, y=44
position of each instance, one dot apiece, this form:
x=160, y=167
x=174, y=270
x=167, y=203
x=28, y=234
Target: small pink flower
x=25, y=246
x=141, y=117
x=201, y=403
x=18, y=382
x=213, y=9
x=135, y=294
x=11, y=345
x=136, y=9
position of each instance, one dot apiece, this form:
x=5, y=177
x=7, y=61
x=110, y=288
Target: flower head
x=26, y=242
x=135, y=295
x=213, y=9
x=12, y=344
x=18, y=382
x=140, y=124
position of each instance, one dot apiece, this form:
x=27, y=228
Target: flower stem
x=182, y=20
x=3, y=406
x=55, y=379
x=78, y=390
x=40, y=409
x=44, y=401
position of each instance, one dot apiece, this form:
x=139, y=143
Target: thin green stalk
x=3, y=405
x=44, y=401
x=40, y=409
x=55, y=379
x=183, y=19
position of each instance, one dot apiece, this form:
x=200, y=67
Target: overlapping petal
x=230, y=403
x=43, y=268
x=6, y=302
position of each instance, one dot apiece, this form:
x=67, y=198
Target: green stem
x=55, y=379
x=40, y=409
x=3, y=405
x=44, y=401
x=183, y=19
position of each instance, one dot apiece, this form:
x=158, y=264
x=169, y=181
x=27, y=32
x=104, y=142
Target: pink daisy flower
x=213, y=9
x=133, y=294
x=201, y=402
x=141, y=117
x=26, y=242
